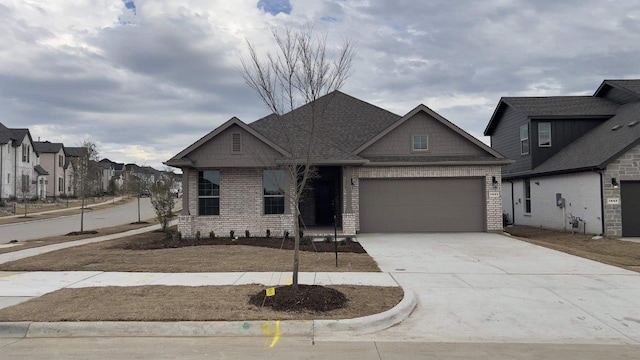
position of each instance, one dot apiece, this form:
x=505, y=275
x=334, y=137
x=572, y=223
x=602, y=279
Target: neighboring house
x=575, y=157
x=376, y=172
x=108, y=173
x=52, y=159
x=20, y=170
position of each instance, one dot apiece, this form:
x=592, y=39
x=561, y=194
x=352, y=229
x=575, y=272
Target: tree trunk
x=138, y=207
x=296, y=249
x=82, y=216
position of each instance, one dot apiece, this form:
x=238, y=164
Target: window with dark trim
x=60, y=161
x=273, y=185
x=527, y=196
x=419, y=143
x=209, y=192
x=544, y=134
x=524, y=139
x=60, y=184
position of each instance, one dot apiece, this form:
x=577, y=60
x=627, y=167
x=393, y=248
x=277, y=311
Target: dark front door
x=630, y=197
x=325, y=192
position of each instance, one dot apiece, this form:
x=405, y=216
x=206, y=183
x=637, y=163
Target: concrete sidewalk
x=113, y=200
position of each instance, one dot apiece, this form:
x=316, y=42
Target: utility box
x=559, y=200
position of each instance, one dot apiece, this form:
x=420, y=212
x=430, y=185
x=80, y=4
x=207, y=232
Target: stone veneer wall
x=241, y=207
x=624, y=168
x=493, y=204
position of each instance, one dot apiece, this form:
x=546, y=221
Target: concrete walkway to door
x=479, y=287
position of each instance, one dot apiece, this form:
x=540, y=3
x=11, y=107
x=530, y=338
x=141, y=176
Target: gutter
x=601, y=173
x=441, y=163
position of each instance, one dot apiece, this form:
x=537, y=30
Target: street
x=93, y=219
x=294, y=348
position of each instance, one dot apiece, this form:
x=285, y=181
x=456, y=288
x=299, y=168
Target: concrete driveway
x=478, y=287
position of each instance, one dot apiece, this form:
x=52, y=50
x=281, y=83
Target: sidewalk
x=64, y=209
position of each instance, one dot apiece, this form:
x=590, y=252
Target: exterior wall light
x=494, y=181
x=614, y=182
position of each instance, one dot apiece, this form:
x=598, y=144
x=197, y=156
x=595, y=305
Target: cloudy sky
x=146, y=78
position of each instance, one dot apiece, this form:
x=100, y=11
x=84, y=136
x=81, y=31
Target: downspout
x=1, y=173
x=55, y=178
x=15, y=173
x=601, y=173
x=513, y=209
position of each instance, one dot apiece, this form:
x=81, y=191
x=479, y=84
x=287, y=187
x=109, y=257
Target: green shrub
x=505, y=219
x=198, y=235
x=231, y=234
x=286, y=234
x=247, y=234
x=327, y=239
x=301, y=233
x=268, y=233
x=212, y=235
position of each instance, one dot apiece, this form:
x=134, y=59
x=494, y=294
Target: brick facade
x=624, y=168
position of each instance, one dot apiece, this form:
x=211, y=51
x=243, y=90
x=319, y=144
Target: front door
x=325, y=192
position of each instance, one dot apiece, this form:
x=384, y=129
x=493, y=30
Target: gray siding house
x=577, y=159
x=375, y=172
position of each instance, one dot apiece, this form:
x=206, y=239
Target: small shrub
x=305, y=240
x=301, y=233
x=348, y=240
x=505, y=219
x=327, y=239
x=268, y=233
x=198, y=235
x=231, y=234
x=178, y=236
x=212, y=235
x=170, y=233
x=247, y=234
x=286, y=234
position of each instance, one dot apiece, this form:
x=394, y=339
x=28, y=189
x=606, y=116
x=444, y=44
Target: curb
x=310, y=328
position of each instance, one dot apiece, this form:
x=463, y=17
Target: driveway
x=479, y=287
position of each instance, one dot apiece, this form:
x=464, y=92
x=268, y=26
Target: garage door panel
x=422, y=205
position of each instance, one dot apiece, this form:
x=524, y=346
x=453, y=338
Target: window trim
x=413, y=143
x=523, y=139
x=208, y=196
x=233, y=143
x=527, y=200
x=540, y=132
x=273, y=196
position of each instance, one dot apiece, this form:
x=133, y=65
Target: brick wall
x=493, y=204
x=625, y=168
x=241, y=207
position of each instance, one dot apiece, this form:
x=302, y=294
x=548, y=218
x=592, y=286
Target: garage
x=630, y=196
x=422, y=205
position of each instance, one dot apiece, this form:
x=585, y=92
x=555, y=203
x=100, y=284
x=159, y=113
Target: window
x=273, y=188
x=527, y=196
x=544, y=134
x=524, y=139
x=420, y=143
x=236, y=147
x=8, y=178
x=25, y=185
x=60, y=184
x=25, y=153
x=209, y=192
x=60, y=161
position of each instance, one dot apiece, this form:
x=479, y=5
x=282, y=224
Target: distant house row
x=42, y=169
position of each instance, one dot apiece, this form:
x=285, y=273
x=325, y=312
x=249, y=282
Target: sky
x=144, y=79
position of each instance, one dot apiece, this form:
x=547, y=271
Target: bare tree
x=87, y=174
x=163, y=200
x=299, y=72
x=25, y=186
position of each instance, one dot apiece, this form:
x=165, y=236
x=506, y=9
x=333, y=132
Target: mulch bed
x=75, y=233
x=307, y=297
x=275, y=243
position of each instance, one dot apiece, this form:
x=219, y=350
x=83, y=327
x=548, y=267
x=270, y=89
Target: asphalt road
x=294, y=348
x=93, y=219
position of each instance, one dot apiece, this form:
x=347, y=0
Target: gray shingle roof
x=630, y=85
x=562, y=106
x=346, y=124
x=75, y=151
x=15, y=135
x=600, y=145
x=47, y=147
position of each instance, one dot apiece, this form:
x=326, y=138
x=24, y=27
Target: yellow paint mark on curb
x=266, y=330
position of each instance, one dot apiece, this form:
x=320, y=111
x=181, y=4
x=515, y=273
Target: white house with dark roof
x=53, y=160
x=576, y=158
x=376, y=172
x=20, y=170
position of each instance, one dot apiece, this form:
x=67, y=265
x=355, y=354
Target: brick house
x=576, y=158
x=375, y=171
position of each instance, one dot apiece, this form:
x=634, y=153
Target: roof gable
x=180, y=158
x=47, y=147
x=437, y=117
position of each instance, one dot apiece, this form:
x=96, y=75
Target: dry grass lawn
x=109, y=256
x=63, y=238
x=612, y=251
x=180, y=303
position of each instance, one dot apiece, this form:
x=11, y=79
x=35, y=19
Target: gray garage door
x=630, y=197
x=422, y=205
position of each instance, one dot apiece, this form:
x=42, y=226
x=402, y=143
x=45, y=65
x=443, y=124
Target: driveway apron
x=480, y=287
